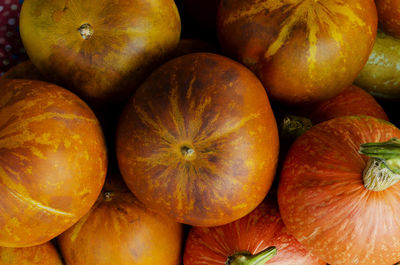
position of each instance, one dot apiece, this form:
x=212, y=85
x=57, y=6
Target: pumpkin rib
x=342, y=223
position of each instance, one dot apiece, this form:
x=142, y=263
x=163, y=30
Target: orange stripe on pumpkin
x=19, y=192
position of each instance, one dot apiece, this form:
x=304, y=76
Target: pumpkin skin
x=352, y=101
x=45, y=254
x=24, y=70
x=120, y=230
x=380, y=76
x=260, y=229
x=129, y=39
x=198, y=140
x=186, y=46
x=388, y=16
x=324, y=203
x=303, y=51
x=52, y=161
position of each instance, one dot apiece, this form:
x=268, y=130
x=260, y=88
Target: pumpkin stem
x=86, y=31
x=188, y=153
x=246, y=258
x=107, y=196
x=383, y=167
x=293, y=126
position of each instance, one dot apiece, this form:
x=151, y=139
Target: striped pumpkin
x=302, y=50
x=45, y=254
x=52, y=161
x=198, y=141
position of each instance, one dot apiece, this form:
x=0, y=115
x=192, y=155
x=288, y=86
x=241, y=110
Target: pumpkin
x=187, y=45
x=24, y=70
x=198, y=140
x=352, y=101
x=52, y=161
x=388, y=16
x=45, y=254
x=99, y=49
x=247, y=238
x=120, y=230
x=303, y=51
x=381, y=76
x=337, y=193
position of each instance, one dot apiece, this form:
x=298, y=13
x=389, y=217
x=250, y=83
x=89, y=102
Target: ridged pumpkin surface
x=198, y=141
x=52, y=161
x=323, y=201
x=260, y=229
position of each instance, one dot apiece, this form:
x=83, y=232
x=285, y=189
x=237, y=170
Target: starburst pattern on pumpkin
x=195, y=122
x=317, y=16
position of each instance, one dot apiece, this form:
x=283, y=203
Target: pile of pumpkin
x=262, y=141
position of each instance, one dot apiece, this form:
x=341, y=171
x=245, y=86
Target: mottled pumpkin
x=24, y=70
x=302, y=50
x=388, y=16
x=198, y=140
x=101, y=50
x=120, y=230
x=380, y=76
x=52, y=161
x=45, y=254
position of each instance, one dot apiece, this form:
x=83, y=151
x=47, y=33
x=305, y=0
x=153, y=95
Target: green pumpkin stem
x=293, y=126
x=383, y=167
x=246, y=258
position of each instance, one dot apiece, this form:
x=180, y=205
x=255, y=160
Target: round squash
x=45, y=254
x=120, y=230
x=198, y=140
x=187, y=45
x=24, y=70
x=352, y=101
x=388, y=16
x=52, y=161
x=381, y=74
x=335, y=199
x=101, y=50
x=245, y=239
x=303, y=50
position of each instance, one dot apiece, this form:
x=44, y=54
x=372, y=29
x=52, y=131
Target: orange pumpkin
x=303, y=50
x=187, y=45
x=388, y=16
x=52, y=161
x=24, y=70
x=198, y=140
x=338, y=193
x=247, y=241
x=45, y=254
x=120, y=230
x=352, y=101
x=100, y=49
